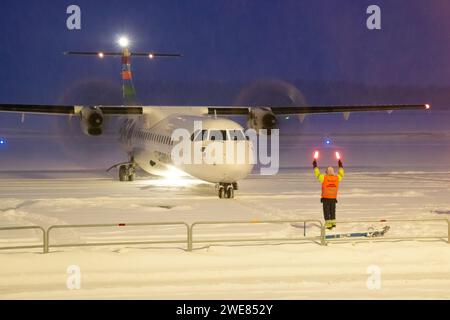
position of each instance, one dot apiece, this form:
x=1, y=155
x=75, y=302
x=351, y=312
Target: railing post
x=190, y=227
x=448, y=231
x=46, y=235
x=322, y=236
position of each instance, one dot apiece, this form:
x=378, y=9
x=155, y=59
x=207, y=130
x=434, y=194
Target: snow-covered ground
x=409, y=269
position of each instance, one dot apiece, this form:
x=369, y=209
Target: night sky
x=234, y=43
x=233, y=40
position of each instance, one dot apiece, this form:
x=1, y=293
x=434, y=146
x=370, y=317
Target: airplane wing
x=65, y=109
x=244, y=110
x=317, y=109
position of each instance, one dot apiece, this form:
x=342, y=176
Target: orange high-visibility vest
x=330, y=187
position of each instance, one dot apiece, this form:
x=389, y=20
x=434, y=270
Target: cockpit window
x=236, y=135
x=217, y=135
x=199, y=135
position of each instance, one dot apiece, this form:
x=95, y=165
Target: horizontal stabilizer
x=102, y=54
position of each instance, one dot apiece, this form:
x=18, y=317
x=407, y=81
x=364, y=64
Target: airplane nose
x=220, y=173
x=231, y=167
x=232, y=172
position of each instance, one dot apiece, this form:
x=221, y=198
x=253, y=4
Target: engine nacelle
x=260, y=118
x=92, y=121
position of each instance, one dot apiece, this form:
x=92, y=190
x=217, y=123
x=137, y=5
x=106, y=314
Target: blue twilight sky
x=227, y=44
x=224, y=40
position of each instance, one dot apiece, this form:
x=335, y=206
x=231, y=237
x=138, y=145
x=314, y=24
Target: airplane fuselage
x=149, y=142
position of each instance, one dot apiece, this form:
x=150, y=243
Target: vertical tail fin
x=128, y=90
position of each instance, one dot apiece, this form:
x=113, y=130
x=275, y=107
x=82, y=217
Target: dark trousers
x=329, y=208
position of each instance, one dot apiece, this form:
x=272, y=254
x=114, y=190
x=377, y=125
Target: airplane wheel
x=221, y=192
x=230, y=192
x=123, y=173
x=132, y=177
x=225, y=190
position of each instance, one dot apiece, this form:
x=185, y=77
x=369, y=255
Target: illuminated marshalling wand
x=128, y=90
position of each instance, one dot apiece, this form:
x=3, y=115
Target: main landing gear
x=127, y=170
x=226, y=190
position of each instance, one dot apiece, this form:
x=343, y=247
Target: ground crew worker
x=330, y=186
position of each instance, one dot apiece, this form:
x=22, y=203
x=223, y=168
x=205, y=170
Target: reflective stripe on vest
x=330, y=187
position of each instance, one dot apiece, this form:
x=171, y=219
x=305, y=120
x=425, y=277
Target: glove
x=315, y=163
x=340, y=164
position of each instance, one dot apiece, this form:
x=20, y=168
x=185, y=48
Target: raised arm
x=341, y=170
x=317, y=173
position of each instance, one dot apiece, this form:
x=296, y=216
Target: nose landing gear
x=226, y=190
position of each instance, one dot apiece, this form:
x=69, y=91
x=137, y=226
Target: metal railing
x=47, y=244
x=190, y=241
x=320, y=238
x=28, y=246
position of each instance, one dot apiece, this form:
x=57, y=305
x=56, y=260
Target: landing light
x=101, y=55
x=174, y=182
x=427, y=106
x=174, y=177
x=173, y=172
x=151, y=56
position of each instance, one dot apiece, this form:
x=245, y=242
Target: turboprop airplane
x=146, y=131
